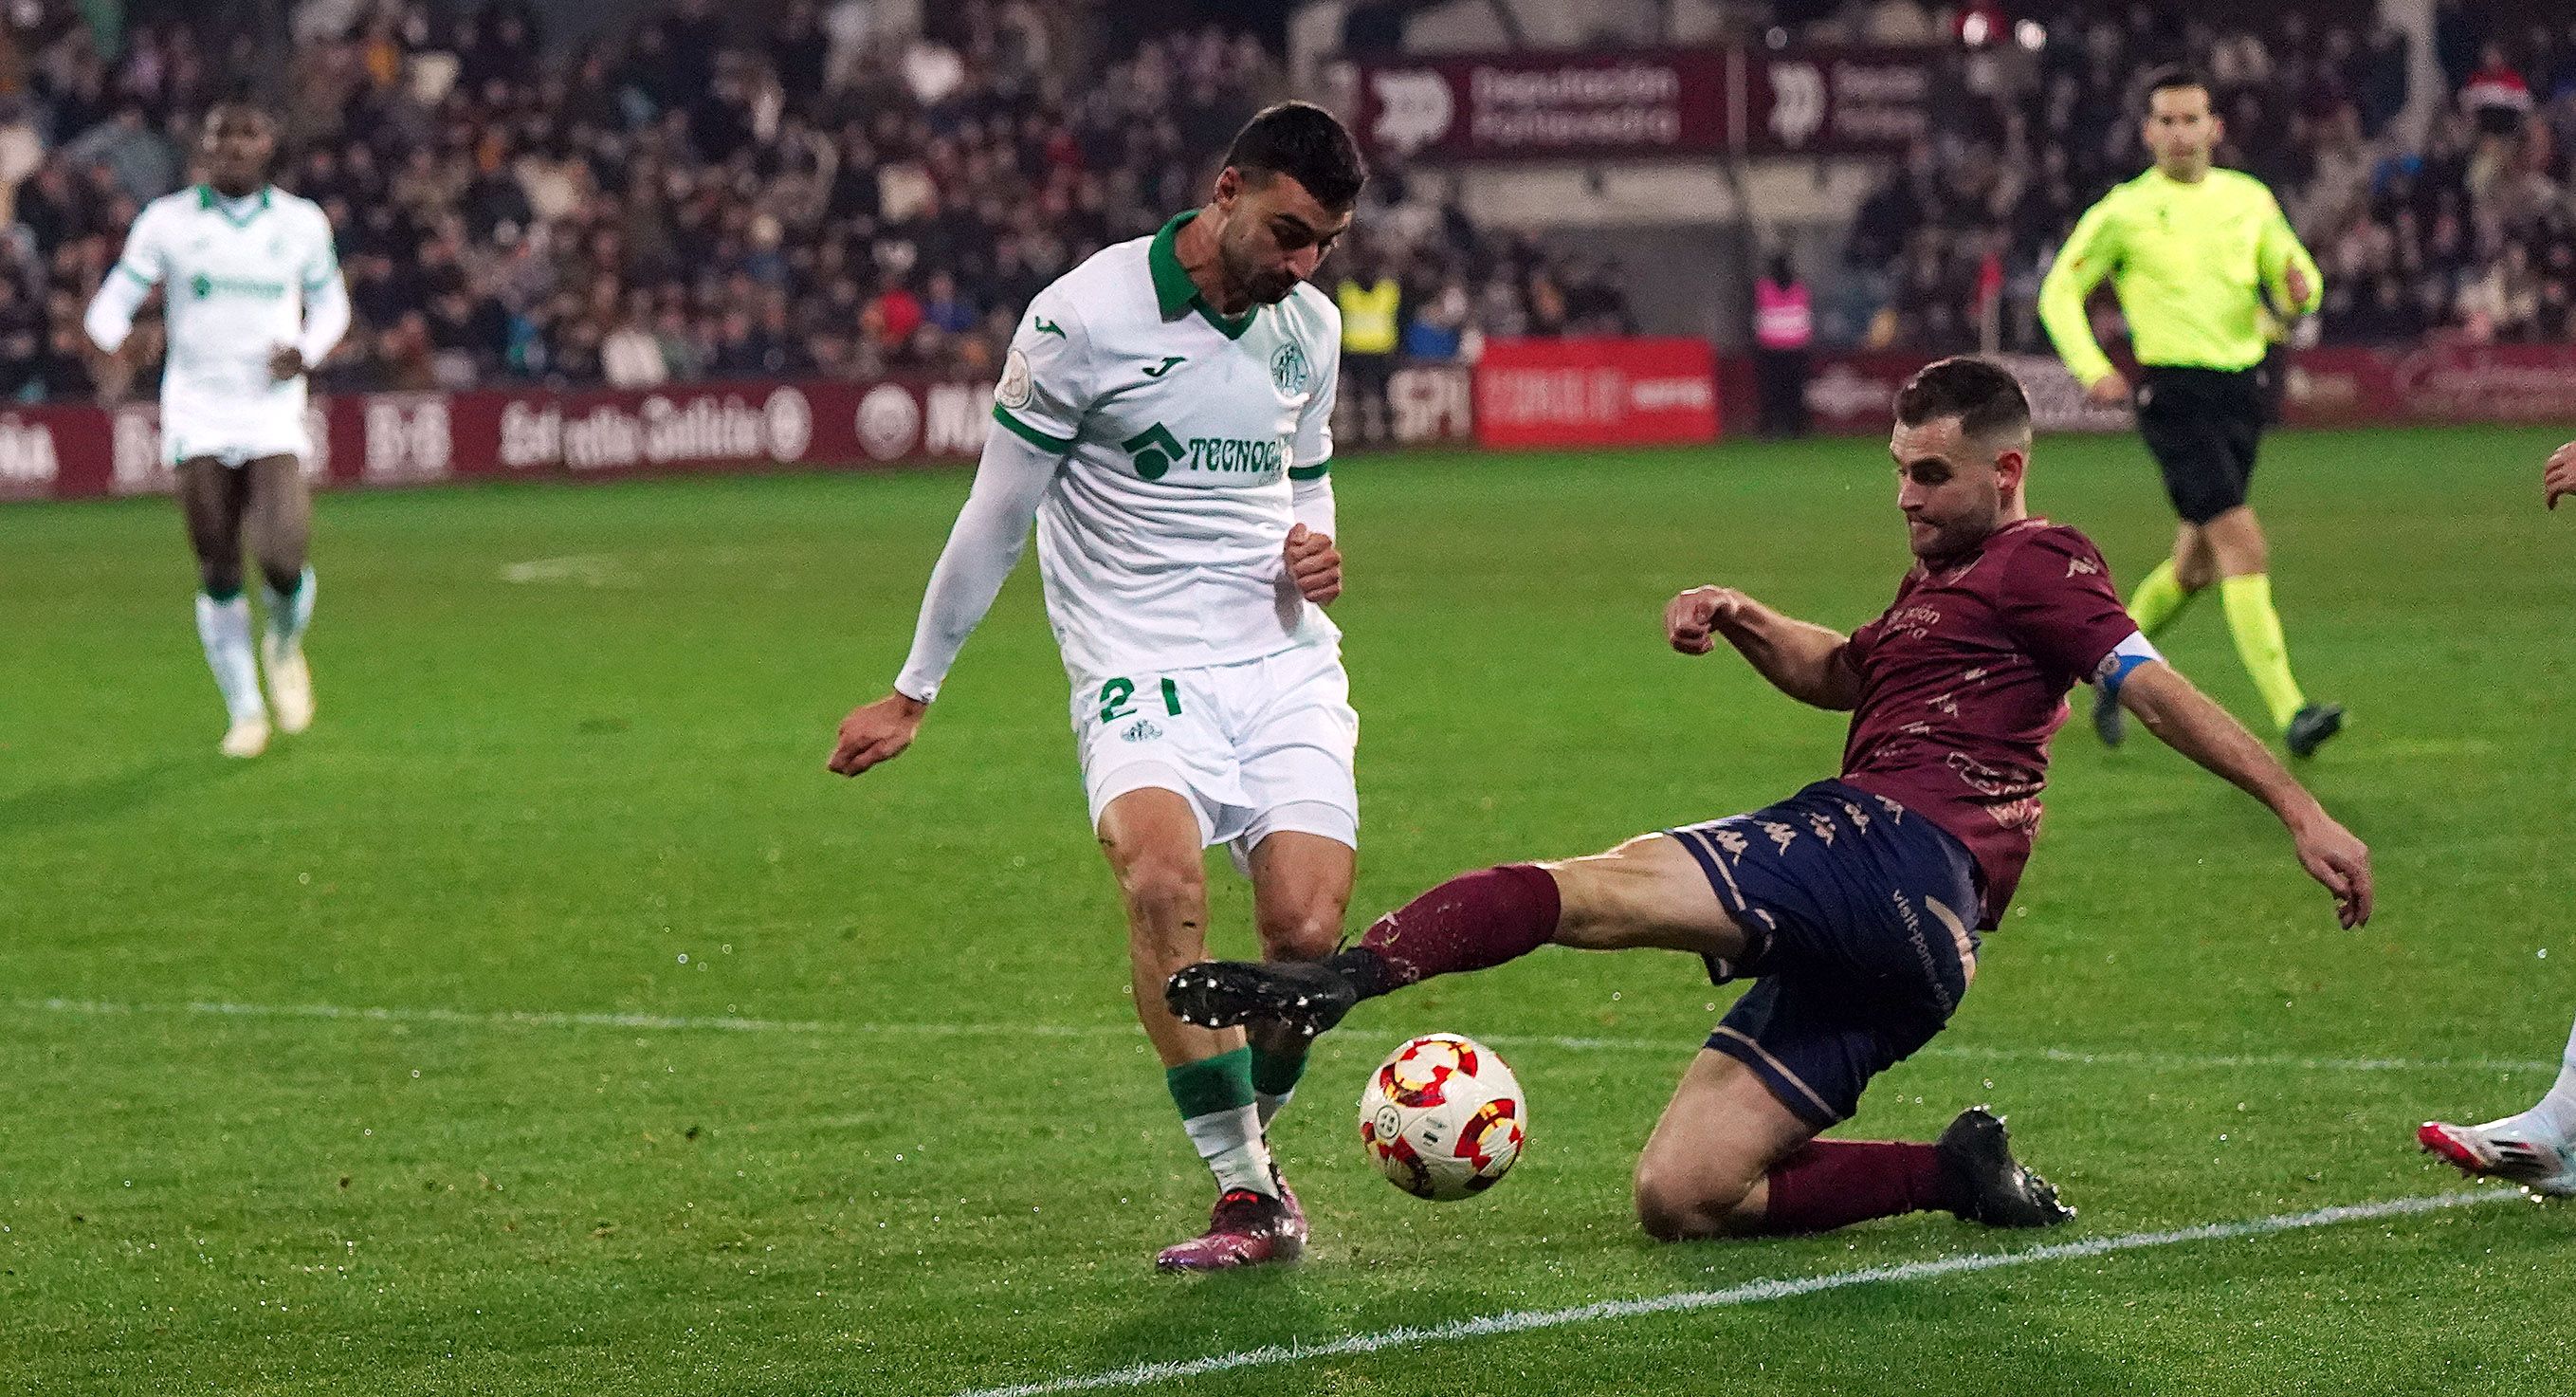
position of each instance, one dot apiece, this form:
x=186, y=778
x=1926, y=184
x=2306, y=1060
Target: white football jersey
x=237, y=280
x=1160, y=538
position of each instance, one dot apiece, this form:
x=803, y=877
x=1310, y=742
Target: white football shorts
x=1256, y=747
x=233, y=433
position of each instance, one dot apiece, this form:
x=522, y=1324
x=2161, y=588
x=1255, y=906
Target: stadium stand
x=687, y=198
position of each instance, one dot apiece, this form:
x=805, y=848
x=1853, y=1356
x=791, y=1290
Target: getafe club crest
x=1288, y=369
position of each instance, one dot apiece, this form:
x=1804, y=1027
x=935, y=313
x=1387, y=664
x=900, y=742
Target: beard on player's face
x=1252, y=264
x=1950, y=518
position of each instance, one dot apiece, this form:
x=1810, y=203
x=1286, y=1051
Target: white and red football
x=1442, y=1117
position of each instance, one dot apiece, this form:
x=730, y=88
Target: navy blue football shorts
x=1863, y=920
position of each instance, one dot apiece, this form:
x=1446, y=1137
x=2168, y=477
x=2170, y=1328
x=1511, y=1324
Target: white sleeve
x=138, y=269
x=326, y=319
x=110, y=317
x=1312, y=453
x=1046, y=385
x=326, y=298
x=1312, y=502
x=1009, y=482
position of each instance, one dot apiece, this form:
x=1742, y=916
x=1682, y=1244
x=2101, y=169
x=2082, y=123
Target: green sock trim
x=2259, y=643
x=2159, y=600
x=289, y=591
x=1276, y=1074
x=221, y=598
x=1211, y=1084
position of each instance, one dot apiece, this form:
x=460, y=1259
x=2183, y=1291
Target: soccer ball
x=1443, y=1117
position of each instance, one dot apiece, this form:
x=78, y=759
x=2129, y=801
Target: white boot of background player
x=2536, y=1149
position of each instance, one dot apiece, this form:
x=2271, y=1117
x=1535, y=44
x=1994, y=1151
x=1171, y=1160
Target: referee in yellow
x=2193, y=252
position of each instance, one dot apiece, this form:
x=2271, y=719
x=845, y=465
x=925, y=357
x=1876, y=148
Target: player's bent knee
x=1680, y=1205
x=1309, y=935
x=1161, y=882
x=1166, y=905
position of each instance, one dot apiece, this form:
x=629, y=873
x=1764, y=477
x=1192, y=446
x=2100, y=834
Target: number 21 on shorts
x=1118, y=696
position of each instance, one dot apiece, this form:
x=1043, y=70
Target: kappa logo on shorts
x=1780, y=834
x=1142, y=730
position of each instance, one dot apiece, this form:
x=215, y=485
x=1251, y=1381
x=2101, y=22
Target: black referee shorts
x=2202, y=426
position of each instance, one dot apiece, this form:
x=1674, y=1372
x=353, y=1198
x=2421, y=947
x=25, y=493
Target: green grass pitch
x=881, y=1122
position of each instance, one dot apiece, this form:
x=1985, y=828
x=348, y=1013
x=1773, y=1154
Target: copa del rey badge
x=1014, y=389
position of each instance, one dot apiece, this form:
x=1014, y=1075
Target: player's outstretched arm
x=2188, y=721
x=2560, y=478
x=1009, y=482
x=1800, y=658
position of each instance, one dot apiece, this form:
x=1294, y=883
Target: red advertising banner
x=2337, y=387
x=1596, y=392
x=1544, y=106
x=384, y=439
x=1536, y=106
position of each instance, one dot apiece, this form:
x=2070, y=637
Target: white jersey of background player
x=253, y=300
x=2534, y=1148
x=1164, y=417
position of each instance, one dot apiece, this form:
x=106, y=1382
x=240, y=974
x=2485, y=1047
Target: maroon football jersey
x=1964, y=680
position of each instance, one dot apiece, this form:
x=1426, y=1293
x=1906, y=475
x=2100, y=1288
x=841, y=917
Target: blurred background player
x=254, y=301
x=1850, y=904
x=2534, y=1148
x=1168, y=407
x=2192, y=252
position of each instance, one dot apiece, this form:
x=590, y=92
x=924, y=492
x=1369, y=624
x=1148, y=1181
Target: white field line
x=1675, y=1046
x=1748, y=1293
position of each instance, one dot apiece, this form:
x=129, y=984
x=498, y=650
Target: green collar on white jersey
x=1174, y=290
x=207, y=198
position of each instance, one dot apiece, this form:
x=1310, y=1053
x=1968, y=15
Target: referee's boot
x=2109, y=722
x=2310, y=728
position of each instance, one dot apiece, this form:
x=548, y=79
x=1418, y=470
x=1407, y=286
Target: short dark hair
x=1982, y=394
x=1306, y=143
x=2173, y=76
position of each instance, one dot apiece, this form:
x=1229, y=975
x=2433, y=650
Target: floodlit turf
x=886, y=1127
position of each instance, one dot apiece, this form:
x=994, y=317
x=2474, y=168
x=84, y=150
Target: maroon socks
x=1474, y=921
x=1835, y=1183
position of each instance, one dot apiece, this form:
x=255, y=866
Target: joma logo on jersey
x=203, y=286
x=1154, y=451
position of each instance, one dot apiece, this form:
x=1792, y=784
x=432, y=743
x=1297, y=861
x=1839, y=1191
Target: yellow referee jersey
x=2190, y=263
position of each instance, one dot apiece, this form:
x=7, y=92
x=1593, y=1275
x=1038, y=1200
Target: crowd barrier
x=1557, y=393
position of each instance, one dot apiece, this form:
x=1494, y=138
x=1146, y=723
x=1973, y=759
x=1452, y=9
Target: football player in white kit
x=2534, y=1148
x=1164, y=417
x=254, y=301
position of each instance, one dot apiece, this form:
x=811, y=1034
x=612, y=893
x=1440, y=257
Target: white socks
x=1231, y=1143
x=2554, y=1118
x=288, y=615
x=224, y=626
x=1268, y=1105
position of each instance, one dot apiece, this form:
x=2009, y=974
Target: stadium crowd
x=690, y=198
x=2472, y=233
